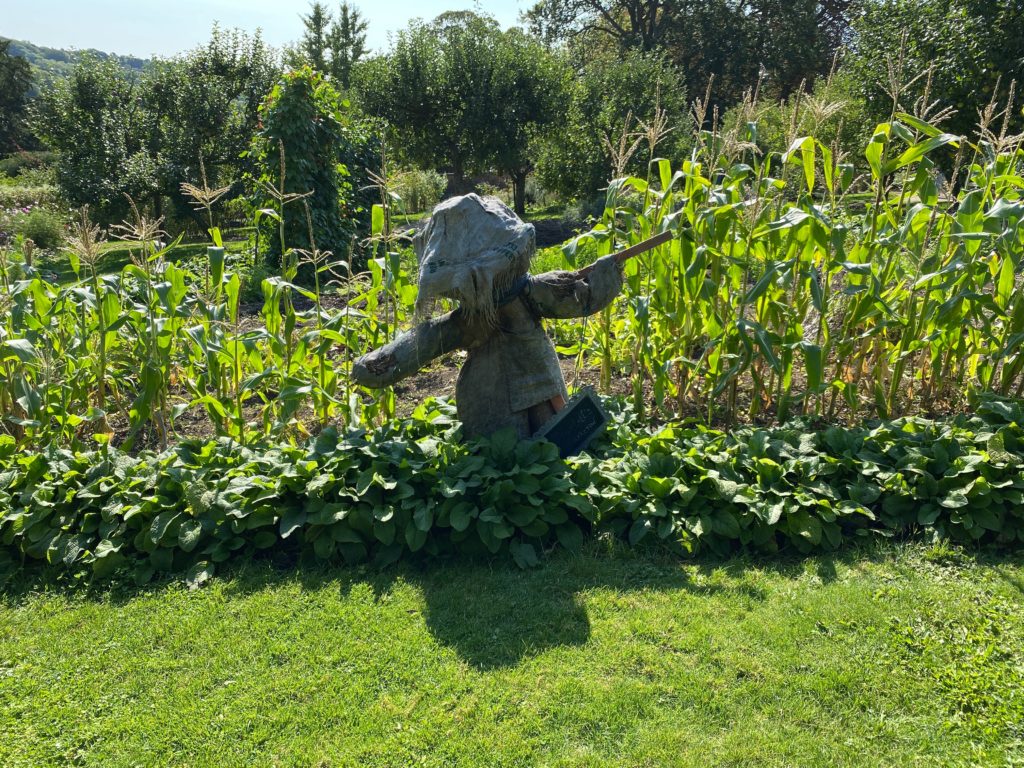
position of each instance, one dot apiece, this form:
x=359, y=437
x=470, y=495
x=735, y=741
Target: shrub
x=420, y=190
x=410, y=487
x=502, y=193
x=43, y=227
x=27, y=196
x=22, y=163
x=539, y=195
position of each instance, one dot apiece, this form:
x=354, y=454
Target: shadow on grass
x=493, y=614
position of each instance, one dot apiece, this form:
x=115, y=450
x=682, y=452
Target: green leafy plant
x=43, y=227
x=410, y=487
x=418, y=190
x=310, y=145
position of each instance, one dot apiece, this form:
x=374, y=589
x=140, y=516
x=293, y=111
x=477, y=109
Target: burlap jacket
x=511, y=364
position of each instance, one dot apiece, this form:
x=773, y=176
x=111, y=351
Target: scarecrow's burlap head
x=472, y=250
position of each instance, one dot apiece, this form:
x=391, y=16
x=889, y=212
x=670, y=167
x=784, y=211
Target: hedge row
x=19, y=196
x=412, y=487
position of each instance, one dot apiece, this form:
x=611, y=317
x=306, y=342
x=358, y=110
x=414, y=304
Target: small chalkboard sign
x=580, y=421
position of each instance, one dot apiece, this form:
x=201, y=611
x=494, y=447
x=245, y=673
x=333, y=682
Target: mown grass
x=892, y=656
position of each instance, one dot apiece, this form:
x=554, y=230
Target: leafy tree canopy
x=613, y=102
x=15, y=82
x=204, y=107
x=789, y=41
x=97, y=123
x=461, y=94
x=118, y=133
x=957, y=53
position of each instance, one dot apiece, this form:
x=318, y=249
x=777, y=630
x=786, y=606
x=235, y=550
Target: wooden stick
x=634, y=250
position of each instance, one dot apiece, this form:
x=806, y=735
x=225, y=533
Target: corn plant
x=800, y=282
x=791, y=288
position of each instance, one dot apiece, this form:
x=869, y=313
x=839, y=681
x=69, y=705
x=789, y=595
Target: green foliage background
x=328, y=153
x=976, y=48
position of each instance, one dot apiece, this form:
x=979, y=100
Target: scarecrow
x=477, y=251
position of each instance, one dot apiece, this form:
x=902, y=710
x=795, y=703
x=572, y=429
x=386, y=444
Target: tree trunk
x=519, y=192
x=458, y=177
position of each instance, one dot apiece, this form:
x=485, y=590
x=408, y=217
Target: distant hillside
x=51, y=63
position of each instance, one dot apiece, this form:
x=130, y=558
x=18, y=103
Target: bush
x=44, y=228
x=834, y=112
x=537, y=194
x=22, y=163
x=27, y=196
x=410, y=487
x=503, y=193
x=419, y=190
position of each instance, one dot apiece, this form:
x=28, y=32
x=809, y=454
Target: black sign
x=579, y=422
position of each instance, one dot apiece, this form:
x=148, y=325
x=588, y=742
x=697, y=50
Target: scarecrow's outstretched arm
x=572, y=294
x=411, y=351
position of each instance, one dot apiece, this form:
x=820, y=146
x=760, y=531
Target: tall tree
x=428, y=89
x=332, y=46
x=630, y=23
x=835, y=20
x=96, y=120
x=118, y=133
x=315, y=42
x=528, y=96
x=205, y=105
x=735, y=42
x=463, y=95
x=974, y=50
x=347, y=43
x=15, y=82
x=610, y=102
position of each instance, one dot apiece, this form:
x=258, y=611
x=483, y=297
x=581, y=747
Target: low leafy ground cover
x=887, y=655
x=413, y=488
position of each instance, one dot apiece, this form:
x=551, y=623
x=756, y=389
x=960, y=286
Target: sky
x=164, y=27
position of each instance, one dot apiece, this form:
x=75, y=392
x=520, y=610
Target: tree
x=974, y=50
x=331, y=45
x=630, y=23
x=527, y=98
x=735, y=42
x=428, y=88
x=461, y=94
x=347, y=43
x=315, y=39
x=96, y=121
x=205, y=110
x=120, y=134
x=15, y=82
x=329, y=157
x=793, y=45
x=610, y=102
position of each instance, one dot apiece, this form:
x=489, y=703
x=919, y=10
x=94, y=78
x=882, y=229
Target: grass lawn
x=896, y=655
